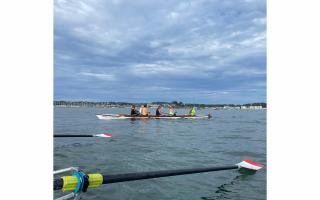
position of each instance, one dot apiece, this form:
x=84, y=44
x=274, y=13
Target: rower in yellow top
x=192, y=112
x=172, y=112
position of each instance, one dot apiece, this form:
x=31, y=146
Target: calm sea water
x=148, y=145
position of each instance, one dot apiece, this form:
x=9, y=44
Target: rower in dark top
x=134, y=112
x=158, y=111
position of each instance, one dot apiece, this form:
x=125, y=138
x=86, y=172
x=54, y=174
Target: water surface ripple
x=147, y=145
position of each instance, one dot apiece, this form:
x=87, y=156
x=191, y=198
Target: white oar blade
x=249, y=164
x=105, y=135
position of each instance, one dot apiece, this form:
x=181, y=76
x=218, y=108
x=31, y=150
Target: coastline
x=78, y=104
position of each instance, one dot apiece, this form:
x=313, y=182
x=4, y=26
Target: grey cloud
x=214, y=44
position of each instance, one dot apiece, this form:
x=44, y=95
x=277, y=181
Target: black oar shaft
x=72, y=135
x=116, y=178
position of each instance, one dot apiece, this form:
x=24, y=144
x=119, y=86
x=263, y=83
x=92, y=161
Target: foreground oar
x=79, y=181
x=105, y=135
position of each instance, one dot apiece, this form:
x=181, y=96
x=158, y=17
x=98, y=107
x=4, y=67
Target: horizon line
x=156, y=102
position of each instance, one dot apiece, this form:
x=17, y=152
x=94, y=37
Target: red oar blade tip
x=249, y=164
x=106, y=135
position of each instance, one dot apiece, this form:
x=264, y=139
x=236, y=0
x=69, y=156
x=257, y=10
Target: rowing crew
x=144, y=111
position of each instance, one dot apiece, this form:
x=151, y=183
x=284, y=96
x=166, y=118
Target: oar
x=95, y=180
x=105, y=135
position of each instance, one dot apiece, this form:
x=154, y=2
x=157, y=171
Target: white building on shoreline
x=251, y=107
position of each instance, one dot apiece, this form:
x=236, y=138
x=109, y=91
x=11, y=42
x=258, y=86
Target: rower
x=140, y=110
x=172, y=112
x=158, y=111
x=145, y=110
x=134, y=112
x=192, y=112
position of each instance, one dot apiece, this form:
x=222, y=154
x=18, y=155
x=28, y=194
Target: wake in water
x=224, y=192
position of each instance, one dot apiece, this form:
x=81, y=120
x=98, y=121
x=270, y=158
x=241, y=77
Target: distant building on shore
x=251, y=107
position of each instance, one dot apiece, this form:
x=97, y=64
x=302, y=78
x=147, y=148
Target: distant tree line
x=126, y=104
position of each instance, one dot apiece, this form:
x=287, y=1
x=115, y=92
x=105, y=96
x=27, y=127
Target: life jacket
x=193, y=112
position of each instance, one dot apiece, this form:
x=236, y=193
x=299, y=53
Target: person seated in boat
x=134, y=112
x=140, y=110
x=172, y=112
x=192, y=112
x=145, y=110
x=159, y=112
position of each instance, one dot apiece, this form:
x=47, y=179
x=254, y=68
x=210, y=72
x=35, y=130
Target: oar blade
x=249, y=164
x=105, y=135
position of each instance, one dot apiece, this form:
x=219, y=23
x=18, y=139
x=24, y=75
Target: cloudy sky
x=204, y=51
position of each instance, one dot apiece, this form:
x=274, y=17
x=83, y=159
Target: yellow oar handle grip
x=71, y=182
x=95, y=180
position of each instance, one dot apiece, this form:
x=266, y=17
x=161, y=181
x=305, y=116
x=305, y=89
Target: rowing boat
x=124, y=116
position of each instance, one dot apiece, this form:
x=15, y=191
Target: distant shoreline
x=248, y=106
